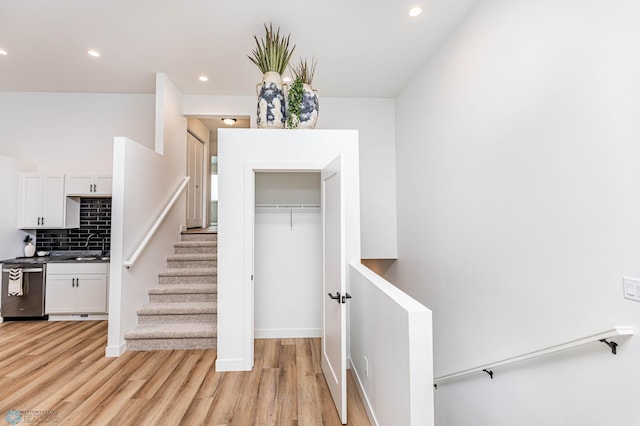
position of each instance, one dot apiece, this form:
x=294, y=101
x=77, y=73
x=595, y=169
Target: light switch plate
x=631, y=288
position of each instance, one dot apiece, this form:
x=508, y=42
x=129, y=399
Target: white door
x=334, y=326
x=195, y=170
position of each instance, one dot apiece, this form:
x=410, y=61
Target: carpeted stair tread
x=172, y=272
x=199, y=237
x=178, y=308
x=196, y=244
x=172, y=331
x=192, y=256
x=183, y=289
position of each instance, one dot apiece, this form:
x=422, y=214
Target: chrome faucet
x=102, y=239
x=86, y=244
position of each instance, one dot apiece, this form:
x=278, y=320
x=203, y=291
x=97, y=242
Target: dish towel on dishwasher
x=15, y=282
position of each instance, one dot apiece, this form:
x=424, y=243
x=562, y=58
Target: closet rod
x=287, y=206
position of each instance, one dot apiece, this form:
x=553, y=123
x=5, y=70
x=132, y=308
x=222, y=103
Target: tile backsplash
x=95, y=218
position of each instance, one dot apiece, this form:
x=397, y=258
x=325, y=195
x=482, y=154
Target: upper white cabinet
x=43, y=204
x=88, y=185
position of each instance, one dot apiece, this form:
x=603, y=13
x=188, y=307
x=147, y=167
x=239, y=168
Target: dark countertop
x=90, y=256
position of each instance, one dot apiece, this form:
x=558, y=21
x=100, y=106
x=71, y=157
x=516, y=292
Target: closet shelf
x=286, y=207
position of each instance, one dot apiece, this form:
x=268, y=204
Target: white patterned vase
x=29, y=250
x=309, y=108
x=270, y=102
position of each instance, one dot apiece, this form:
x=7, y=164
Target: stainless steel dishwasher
x=30, y=280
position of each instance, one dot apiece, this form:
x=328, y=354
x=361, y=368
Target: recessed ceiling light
x=3, y=52
x=203, y=78
x=415, y=11
x=94, y=53
x=229, y=121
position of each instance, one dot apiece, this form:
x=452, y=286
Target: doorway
x=288, y=255
x=209, y=179
x=195, y=187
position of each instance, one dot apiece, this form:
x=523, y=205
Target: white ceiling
x=365, y=48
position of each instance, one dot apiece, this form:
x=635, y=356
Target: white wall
x=288, y=273
x=143, y=183
x=11, y=238
x=392, y=332
x=374, y=120
x=518, y=209
x=288, y=188
x=72, y=132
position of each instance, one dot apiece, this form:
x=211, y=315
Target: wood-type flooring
x=56, y=372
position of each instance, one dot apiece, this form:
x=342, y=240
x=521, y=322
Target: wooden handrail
x=134, y=257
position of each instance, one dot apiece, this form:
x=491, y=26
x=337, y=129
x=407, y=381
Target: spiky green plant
x=294, y=103
x=303, y=70
x=272, y=53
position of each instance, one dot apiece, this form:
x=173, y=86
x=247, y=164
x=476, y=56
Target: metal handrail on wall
x=598, y=337
x=143, y=244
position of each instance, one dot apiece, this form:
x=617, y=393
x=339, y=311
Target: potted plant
x=271, y=55
x=29, y=248
x=303, y=105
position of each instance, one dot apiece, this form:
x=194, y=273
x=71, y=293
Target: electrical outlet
x=366, y=366
x=631, y=288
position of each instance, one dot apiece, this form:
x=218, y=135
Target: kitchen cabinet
x=88, y=185
x=76, y=288
x=43, y=204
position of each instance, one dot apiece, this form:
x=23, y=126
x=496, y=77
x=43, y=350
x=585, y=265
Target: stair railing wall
x=145, y=241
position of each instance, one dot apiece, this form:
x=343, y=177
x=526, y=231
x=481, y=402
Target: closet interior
x=288, y=255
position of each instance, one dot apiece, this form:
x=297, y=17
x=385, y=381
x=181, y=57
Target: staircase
x=182, y=308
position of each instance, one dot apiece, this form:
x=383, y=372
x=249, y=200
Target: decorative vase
x=309, y=108
x=29, y=250
x=270, y=102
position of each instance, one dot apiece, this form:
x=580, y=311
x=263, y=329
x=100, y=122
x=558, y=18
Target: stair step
x=207, y=236
x=188, y=276
x=183, y=289
x=178, y=312
x=192, y=260
x=138, y=345
x=172, y=331
x=177, y=308
x=183, y=293
x=193, y=256
x=195, y=247
x=154, y=337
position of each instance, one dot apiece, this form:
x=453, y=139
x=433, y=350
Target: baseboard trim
x=363, y=394
x=287, y=333
x=78, y=317
x=231, y=364
x=115, y=351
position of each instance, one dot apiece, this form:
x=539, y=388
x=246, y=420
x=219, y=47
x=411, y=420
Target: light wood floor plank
x=60, y=367
x=309, y=408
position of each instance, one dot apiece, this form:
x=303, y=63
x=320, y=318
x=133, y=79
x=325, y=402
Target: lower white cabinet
x=76, y=288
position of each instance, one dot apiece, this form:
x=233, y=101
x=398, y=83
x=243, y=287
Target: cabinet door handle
x=38, y=220
x=43, y=221
x=77, y=282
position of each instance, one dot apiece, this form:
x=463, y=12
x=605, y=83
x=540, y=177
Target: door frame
x=249, y=217
x=240, y=153
x=204, y=182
